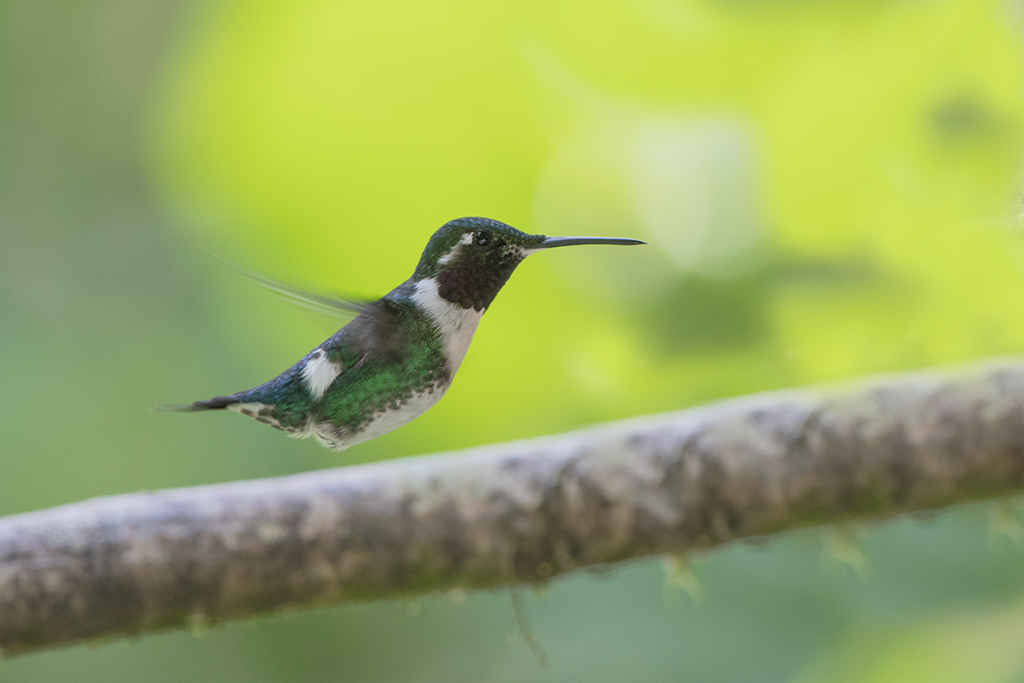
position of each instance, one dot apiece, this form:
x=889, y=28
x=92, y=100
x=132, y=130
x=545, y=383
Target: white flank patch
x=466, y=239
x=456, y=324
x=319, y=373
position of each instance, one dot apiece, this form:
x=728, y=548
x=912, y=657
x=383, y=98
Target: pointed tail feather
x=218, y=403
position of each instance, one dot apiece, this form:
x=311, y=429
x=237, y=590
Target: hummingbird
x=398, y=356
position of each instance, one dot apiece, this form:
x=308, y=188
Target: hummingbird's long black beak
x=550, y=242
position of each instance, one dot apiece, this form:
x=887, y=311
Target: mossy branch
x=510, y=513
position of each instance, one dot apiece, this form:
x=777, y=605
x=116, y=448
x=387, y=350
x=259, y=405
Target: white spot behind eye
x=466, y=239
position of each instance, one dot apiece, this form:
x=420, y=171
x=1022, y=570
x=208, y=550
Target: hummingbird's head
x=472, y=258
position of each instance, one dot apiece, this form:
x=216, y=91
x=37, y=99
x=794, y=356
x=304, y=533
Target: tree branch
x=510, y=513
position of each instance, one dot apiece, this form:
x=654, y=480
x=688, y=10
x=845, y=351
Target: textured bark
x=510, y=513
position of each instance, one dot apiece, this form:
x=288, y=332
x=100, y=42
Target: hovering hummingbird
x=397, y=357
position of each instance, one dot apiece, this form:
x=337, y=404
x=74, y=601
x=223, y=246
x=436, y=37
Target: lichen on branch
x=511, y=513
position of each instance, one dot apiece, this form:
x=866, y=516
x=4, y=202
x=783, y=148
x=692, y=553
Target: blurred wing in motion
x=319, y=303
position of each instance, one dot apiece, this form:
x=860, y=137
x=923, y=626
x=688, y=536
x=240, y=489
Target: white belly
x=340, y=438
x=456, y=326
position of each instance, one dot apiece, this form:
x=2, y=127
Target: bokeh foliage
x=829, y=190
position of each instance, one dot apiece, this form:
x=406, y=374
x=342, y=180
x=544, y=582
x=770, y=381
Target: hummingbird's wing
x=379, y=334
x=376, y=338
x=319, y=303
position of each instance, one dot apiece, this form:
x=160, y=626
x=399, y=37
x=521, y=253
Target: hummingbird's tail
x=247, y=403
x=218, y=403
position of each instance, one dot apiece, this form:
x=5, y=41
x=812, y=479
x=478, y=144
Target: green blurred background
x=829, y=187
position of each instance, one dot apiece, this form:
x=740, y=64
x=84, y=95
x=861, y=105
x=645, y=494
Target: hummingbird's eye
x=481, y=238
